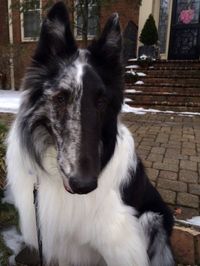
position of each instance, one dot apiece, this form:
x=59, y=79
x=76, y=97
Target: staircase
x=166, y=85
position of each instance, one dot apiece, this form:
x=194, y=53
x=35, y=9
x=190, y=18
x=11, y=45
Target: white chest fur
x=79, y=229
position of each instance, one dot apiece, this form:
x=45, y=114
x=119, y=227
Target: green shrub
x=149, y=34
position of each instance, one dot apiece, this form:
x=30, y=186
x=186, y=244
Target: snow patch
x=194, y=220
x=8, y=196
x=139, y=110
x=9, y=101
x=189, y=113
x=169, y=93
x=139, y=82
x=133, y=60
x=13, y=239
x=141, y=74
x=144, y=57
x=131, y=72
x=132, y=66
x=128, y=109
x=132, y=91
x=126, y=100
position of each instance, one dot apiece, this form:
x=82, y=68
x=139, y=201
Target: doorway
x=185, y=30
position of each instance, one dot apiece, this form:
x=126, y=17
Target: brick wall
x=126, y=9
x=3, y=22
x=4, y=49
x=186, y=245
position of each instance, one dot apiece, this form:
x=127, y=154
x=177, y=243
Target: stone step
x=163, y=84
x=168, y=65
x=184, y=100
x=171, y=80
x=177, y=62
x=175, y=66
x=165, y=67
x=163, y=61
x=161, y=94
x=189, y=74
x=166, y=107
x=178, y=67
x=164, y=89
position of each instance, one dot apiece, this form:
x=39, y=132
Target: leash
x=39, y=238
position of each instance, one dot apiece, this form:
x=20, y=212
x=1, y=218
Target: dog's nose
x=82, y=185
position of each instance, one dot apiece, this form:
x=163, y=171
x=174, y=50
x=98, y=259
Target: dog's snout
x=82, y=185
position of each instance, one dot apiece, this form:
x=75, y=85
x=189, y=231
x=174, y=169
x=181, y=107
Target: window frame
x=77, y=36
x=23, y=38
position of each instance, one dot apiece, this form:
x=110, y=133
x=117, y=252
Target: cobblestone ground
x=169, y=146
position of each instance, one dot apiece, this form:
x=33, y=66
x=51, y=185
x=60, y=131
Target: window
x=92, y=18
x=30, y=19
x=163, y=24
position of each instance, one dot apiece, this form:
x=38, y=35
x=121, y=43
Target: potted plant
x=149, y=38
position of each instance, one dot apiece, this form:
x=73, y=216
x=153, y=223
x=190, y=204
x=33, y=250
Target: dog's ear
x=109, y=45
x=56, y=38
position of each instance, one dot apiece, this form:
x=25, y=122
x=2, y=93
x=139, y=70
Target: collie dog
x=96, y=205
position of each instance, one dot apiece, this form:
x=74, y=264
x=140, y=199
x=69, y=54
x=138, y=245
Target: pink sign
x=186, y=16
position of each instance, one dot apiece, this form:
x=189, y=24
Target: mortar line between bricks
x=176, y=199
x=199, y=212
x=157, y=178
x=179, y=167
x=149, y=153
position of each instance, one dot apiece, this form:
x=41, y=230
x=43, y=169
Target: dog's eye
x=62, y=98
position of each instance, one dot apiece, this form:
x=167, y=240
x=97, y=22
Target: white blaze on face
x=70, y=141
x=80, y=63
x=79, y=76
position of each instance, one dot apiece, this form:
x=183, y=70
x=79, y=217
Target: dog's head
x=73, y=100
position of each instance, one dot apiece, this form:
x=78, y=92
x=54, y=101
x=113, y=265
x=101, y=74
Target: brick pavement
x=169, y=146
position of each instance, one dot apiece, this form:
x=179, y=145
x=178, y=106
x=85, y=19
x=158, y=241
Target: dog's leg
x=159, y=249
x=119, y=237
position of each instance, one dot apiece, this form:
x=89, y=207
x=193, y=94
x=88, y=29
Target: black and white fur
x=96, y=204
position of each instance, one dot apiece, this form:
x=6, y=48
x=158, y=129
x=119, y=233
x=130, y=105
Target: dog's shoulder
x=139, y=193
